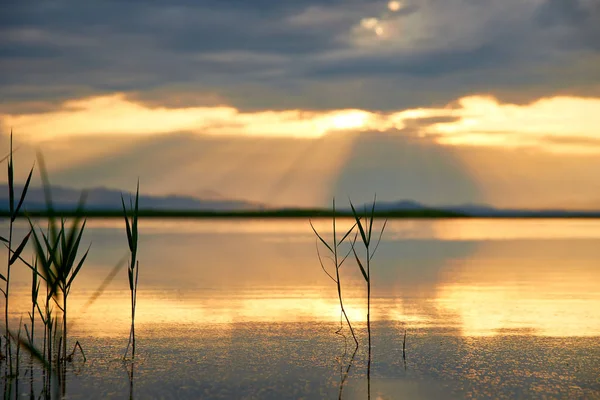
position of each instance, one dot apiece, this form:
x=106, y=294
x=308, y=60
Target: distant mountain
x=104, y=199
x=478, y=210
x=110, y=199
x=402, y=205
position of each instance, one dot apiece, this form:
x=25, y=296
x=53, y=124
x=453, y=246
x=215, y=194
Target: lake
x=242, y=309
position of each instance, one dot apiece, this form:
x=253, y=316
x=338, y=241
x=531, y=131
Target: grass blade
x=360, y=227
x=134, y=225
x=11, y=189
x=379, y=239
x=76, y=270
x=127, y=226
x=362, y=269
x=19, y=249
x=319, y=236
x=31, y=349
x=22, y=199
x=321, y=262
x=74, y=245
x=349, y=251
x=130, y=277
x=372, y=218
x=347, y=233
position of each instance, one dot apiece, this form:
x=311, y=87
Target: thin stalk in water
x=365, y=228
x=338, y=262
x=57, y=254
x=133, y=270
x=12, y=256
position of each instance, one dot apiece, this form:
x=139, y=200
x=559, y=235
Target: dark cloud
x=439, y=63
x=580, y=18
x=296, y=54
x=178, y=97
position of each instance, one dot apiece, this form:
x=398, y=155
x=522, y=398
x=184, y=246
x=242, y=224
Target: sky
x=294, y=102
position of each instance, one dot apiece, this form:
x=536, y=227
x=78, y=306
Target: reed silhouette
x=365, y=228
x=12, y=255
x=133, y=269
x=338, y=261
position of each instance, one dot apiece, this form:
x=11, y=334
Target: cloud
x=116, y=115
x=559, y=123
x=484, y=121
x=304, y=54
x=577, y=21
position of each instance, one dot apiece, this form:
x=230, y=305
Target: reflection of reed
x=404, y=349
x=130, y=372
x=31, y=391
x=365, y=228
x=344, y=373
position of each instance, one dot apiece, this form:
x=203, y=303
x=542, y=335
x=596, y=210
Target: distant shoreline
x=304, y=213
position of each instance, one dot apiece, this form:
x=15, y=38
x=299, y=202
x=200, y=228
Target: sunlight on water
x=500, y=276
x=487, y=277
x=542, y=288
x=241, y=308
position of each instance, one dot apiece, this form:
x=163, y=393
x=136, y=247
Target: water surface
x=242, y=309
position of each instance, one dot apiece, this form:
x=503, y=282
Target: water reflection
x=480, y=277
x=546, y=288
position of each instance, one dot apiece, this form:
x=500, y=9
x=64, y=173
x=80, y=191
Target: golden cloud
x=561, y=123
